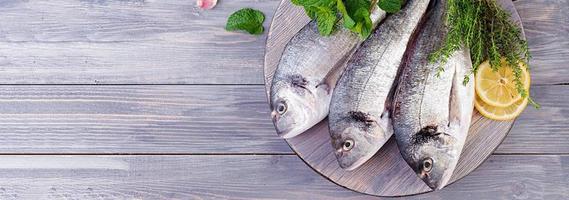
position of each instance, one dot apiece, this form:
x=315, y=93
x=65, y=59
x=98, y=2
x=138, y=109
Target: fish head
x=355, y=139
x=433, y=155
x=295, y=109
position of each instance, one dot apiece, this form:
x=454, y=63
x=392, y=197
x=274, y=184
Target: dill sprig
x=487, y=30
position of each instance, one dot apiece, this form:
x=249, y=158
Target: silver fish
x=306, y=76
x=359, y=121
x=432, y=109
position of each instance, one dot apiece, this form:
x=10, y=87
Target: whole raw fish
x=359, y=121
x=432, y=108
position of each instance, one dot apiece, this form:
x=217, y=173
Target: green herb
x=246, y=19
x=326, y=18
x=354, y=13
x=359, y=12
x=486, y=29
x=390, y=6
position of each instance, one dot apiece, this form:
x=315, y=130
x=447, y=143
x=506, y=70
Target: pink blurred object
x=206, y=4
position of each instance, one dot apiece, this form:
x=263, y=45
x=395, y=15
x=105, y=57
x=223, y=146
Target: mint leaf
x=315, y=3
x=348, y=21
x=323, y=11
x=355, y=14
x=354, y=5
x=326, y=18
x=358, y=11
x=311, y=12
x=296, y=2
x=364, y=24
x=311, y=7
x=390, y=6
x=246, y=19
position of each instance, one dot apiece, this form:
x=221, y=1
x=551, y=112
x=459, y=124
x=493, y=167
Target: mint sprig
x=326, y=18
x=246, y=19
x=354, y=13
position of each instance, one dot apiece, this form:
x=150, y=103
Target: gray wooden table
x=152, y=99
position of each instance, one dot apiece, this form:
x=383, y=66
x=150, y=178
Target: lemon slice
x=497, y=88
x=500, y=113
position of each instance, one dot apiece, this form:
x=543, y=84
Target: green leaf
x=311, y=11
x=326, y=18
x=348, y=21
x=354, y=5
x=390, y=6
x=323, y=11
x=246, y=19
x=358, y=10
x=355, y=14
x=363, y=23
x=366, y=22
x=316, y=3
x=297, y=2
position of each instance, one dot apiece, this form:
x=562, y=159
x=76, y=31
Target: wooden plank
x=198, y=119
x=136, y=119
x=110, y=42
x=170, y=41
x=546, y=24
x=250, y=177
x=543, y=130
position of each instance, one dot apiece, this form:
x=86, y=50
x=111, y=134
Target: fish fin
x=325, y=86
x=329, y=81
x=462, y=96
x=391, y=101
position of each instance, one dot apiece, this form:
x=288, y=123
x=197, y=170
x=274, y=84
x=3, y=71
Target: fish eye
x=281, y=107
x=427, y=164
x=348, y=145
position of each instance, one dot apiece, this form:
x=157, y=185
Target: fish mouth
x=286, y=134
x=435, y=185
x=292, y=130
x=354, y=165
x=289, y=133
x=445, y=179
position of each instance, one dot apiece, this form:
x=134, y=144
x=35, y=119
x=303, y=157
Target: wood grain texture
x=546, y=24
x=199, y=119
x=546, y=126
x=250, y=177
x=386, y=173
x=172, y=42
x=127, y=42
x=136, y=119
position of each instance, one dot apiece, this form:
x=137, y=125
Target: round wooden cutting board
x=386, y=174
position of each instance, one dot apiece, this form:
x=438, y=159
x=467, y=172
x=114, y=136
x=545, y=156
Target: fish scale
x=358, y=126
